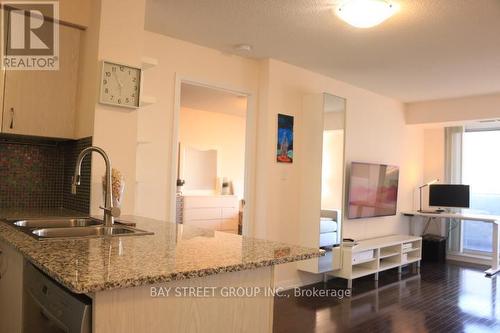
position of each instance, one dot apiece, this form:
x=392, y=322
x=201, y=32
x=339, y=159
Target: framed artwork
x=284, y=151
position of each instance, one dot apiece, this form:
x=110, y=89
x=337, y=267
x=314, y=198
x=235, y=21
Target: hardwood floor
x=452, y=297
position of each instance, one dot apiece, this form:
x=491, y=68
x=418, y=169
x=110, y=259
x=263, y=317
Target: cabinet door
x=2, y=73
x=11, y=289
x=2, y=76
x=42, y=103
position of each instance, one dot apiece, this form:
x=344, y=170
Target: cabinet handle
x=11, y=118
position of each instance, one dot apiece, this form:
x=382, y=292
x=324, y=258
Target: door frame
x=250, y=146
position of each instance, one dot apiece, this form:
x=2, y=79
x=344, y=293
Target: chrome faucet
x=110, y=212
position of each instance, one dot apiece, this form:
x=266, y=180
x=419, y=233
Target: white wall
x=155, y=122
x=223, y=132
x=375, y=132
x=434, y=160
x=115, y=129
x=454, y=110
x=434, y=154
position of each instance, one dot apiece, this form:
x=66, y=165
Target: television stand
x=371, y=256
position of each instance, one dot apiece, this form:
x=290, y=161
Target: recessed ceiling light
x=243, y=47
x=366, y=13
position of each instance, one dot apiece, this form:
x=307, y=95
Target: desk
x=494, y=220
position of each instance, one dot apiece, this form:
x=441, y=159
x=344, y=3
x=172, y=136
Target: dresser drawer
x=205, y=224
x=230, y=213
x=210, y=201
x=202, y=214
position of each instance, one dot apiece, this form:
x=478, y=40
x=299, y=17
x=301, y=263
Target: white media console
x=375, y=255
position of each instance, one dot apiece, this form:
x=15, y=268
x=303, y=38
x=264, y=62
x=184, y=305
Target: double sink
x=73, y=228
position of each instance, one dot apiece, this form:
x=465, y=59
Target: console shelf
x=372, y=256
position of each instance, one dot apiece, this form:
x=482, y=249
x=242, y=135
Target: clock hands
x=120, y=84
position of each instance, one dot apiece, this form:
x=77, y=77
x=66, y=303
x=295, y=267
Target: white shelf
x=143, y=139
x=411, y=250
x=389, y=254
x=148, y=62
x=382, y=242
x=362, y=271
x=412, y=260
x=325, y=262
x=147, y=100
x=388, y=265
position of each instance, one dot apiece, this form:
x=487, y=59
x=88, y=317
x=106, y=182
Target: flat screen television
x=449, y=195
x=373, y=190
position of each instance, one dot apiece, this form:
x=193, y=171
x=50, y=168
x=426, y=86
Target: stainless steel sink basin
x=57, y=223
x=88, y=232
x=73, y=228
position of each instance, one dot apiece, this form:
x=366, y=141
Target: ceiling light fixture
x=366, y=13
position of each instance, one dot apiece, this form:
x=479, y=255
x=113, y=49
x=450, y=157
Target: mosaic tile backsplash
x=36, y=173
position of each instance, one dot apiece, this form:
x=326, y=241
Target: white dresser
x=216, y=212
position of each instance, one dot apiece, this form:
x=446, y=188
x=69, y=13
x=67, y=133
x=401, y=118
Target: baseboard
x=469, y=258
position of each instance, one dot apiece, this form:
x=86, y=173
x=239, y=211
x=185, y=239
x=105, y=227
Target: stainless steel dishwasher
x=49, y=307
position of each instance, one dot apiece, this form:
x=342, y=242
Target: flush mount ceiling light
x=366, y=13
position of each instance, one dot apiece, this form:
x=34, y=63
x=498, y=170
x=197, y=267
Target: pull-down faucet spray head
x=75, y=181
x=110, y=212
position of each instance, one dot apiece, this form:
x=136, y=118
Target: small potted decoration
x=117, y=186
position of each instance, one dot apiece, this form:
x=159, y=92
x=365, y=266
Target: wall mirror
x=322, y=190
x=332, y=168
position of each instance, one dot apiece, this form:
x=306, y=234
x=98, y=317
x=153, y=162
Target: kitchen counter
x=174, y=252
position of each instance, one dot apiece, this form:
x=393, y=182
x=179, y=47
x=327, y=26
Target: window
x=481, y=170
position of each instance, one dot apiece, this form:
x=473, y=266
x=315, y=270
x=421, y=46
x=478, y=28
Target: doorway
x=211, y=171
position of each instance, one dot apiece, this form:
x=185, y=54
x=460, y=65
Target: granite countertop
x=26, y=213
x=174, y=252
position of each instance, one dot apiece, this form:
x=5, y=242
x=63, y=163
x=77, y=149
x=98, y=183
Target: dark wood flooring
x=451, y=297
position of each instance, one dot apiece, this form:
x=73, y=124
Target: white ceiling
x=212, y=100
x=431, y=49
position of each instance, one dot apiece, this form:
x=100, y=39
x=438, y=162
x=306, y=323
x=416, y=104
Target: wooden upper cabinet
x=43, y=103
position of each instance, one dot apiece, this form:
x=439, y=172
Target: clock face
x=120, y=85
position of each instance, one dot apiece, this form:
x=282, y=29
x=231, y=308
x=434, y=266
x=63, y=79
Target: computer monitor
x=447, y=195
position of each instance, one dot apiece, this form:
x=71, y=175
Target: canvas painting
x=373, y=190
x=284, y=152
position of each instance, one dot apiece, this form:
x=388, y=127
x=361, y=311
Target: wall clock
x=120, y=85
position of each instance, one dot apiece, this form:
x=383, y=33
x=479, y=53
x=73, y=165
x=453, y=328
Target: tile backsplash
x=36, y=173
x=81, y=201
